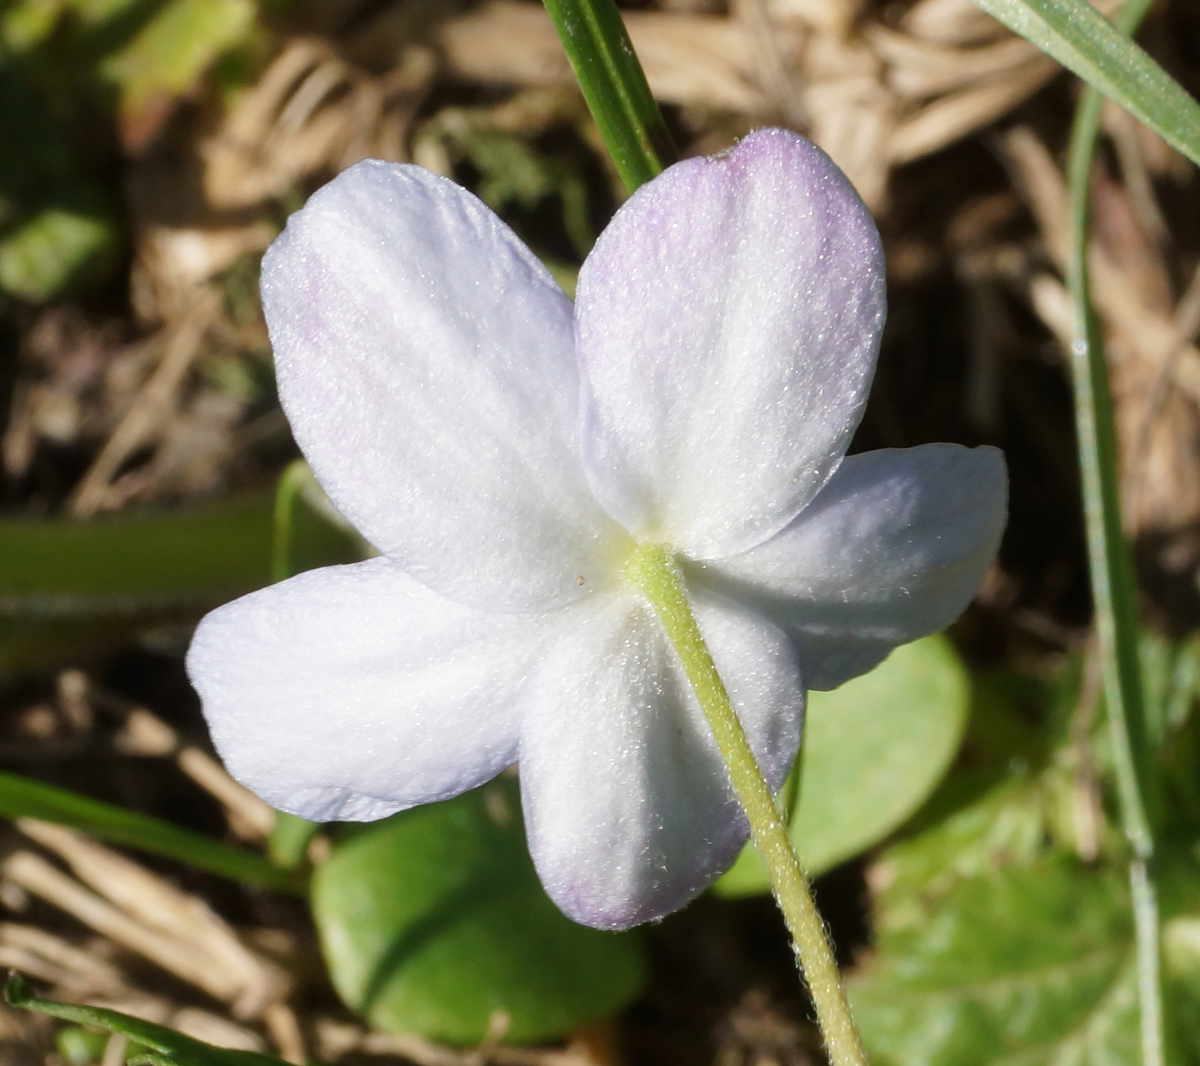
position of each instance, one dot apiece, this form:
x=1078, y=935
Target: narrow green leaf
x=434, y=920
x=1084, y=41
x=163, y=1046
x=873, y=750
x=71, y=588
x=21, y=797
x=614, y=86
x=134, y=562
x=308, y=532
x=290, y=838
x=1110, y=557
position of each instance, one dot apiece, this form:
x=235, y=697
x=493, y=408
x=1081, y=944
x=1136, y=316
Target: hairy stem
x=653, y=570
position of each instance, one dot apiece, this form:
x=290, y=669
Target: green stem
x=616, y=90
x=1114, y=587
x=1149, y=963
x=653, y=570
x=21, y=797
x=1114, y=584
x=290, y=835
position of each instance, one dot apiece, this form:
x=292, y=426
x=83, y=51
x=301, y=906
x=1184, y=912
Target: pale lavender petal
x=354, y=691
x=894, y=547
x=425, y=361
x=628, y=807
x=728, y=322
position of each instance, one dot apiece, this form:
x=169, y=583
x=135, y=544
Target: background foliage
x=959, y=800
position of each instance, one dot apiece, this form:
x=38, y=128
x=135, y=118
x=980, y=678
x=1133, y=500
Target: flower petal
x=628, y=807
x=426, y=364
x=894, y=547
x=354, y=691
x=728, y=322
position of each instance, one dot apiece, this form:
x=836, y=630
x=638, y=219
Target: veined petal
x=894, y=547
x=426, y=365
x=628, y=807
x=728, y=322
x=352, y=692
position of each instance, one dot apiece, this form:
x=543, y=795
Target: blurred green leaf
x=434, y=919
x=1085, y=42
x=132, y=562
x=70, y=588
x=513, y=172
x=308, y=532
x=1005, y=825
x=73, y=587
x=290, y=838
x=1181, y=782
x=1024, y=965
x=873, y=751
x=26, y=23
x=170, y=55
x=1023, y=789
x=53, y=249
x=57, y=225
x=97, y=12
x=79, y=1046
x=157, y=1045
x=1170, y=673
x=21, y=797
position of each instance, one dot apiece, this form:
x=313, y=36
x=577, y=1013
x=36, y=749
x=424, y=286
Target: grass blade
x=156, y=1045
x=1114, y=582
x=21, y=797
x=615, y=87
x=1085, y=42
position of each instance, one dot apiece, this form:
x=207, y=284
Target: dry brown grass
x=931, y=108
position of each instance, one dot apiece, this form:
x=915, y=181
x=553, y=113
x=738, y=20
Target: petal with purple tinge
x=728, y=321
x=628, y=807
x=426, y=364
x=352, y=692
x=894, y=547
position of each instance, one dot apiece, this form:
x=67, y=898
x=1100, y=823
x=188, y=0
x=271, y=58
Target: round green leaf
x=873, y=751
x=434, y=920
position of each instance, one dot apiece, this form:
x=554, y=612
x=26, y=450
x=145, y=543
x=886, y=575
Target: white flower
x=506, y=453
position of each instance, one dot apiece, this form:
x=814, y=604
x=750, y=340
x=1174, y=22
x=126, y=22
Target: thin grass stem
x=1114, y=586
x=21, y=797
